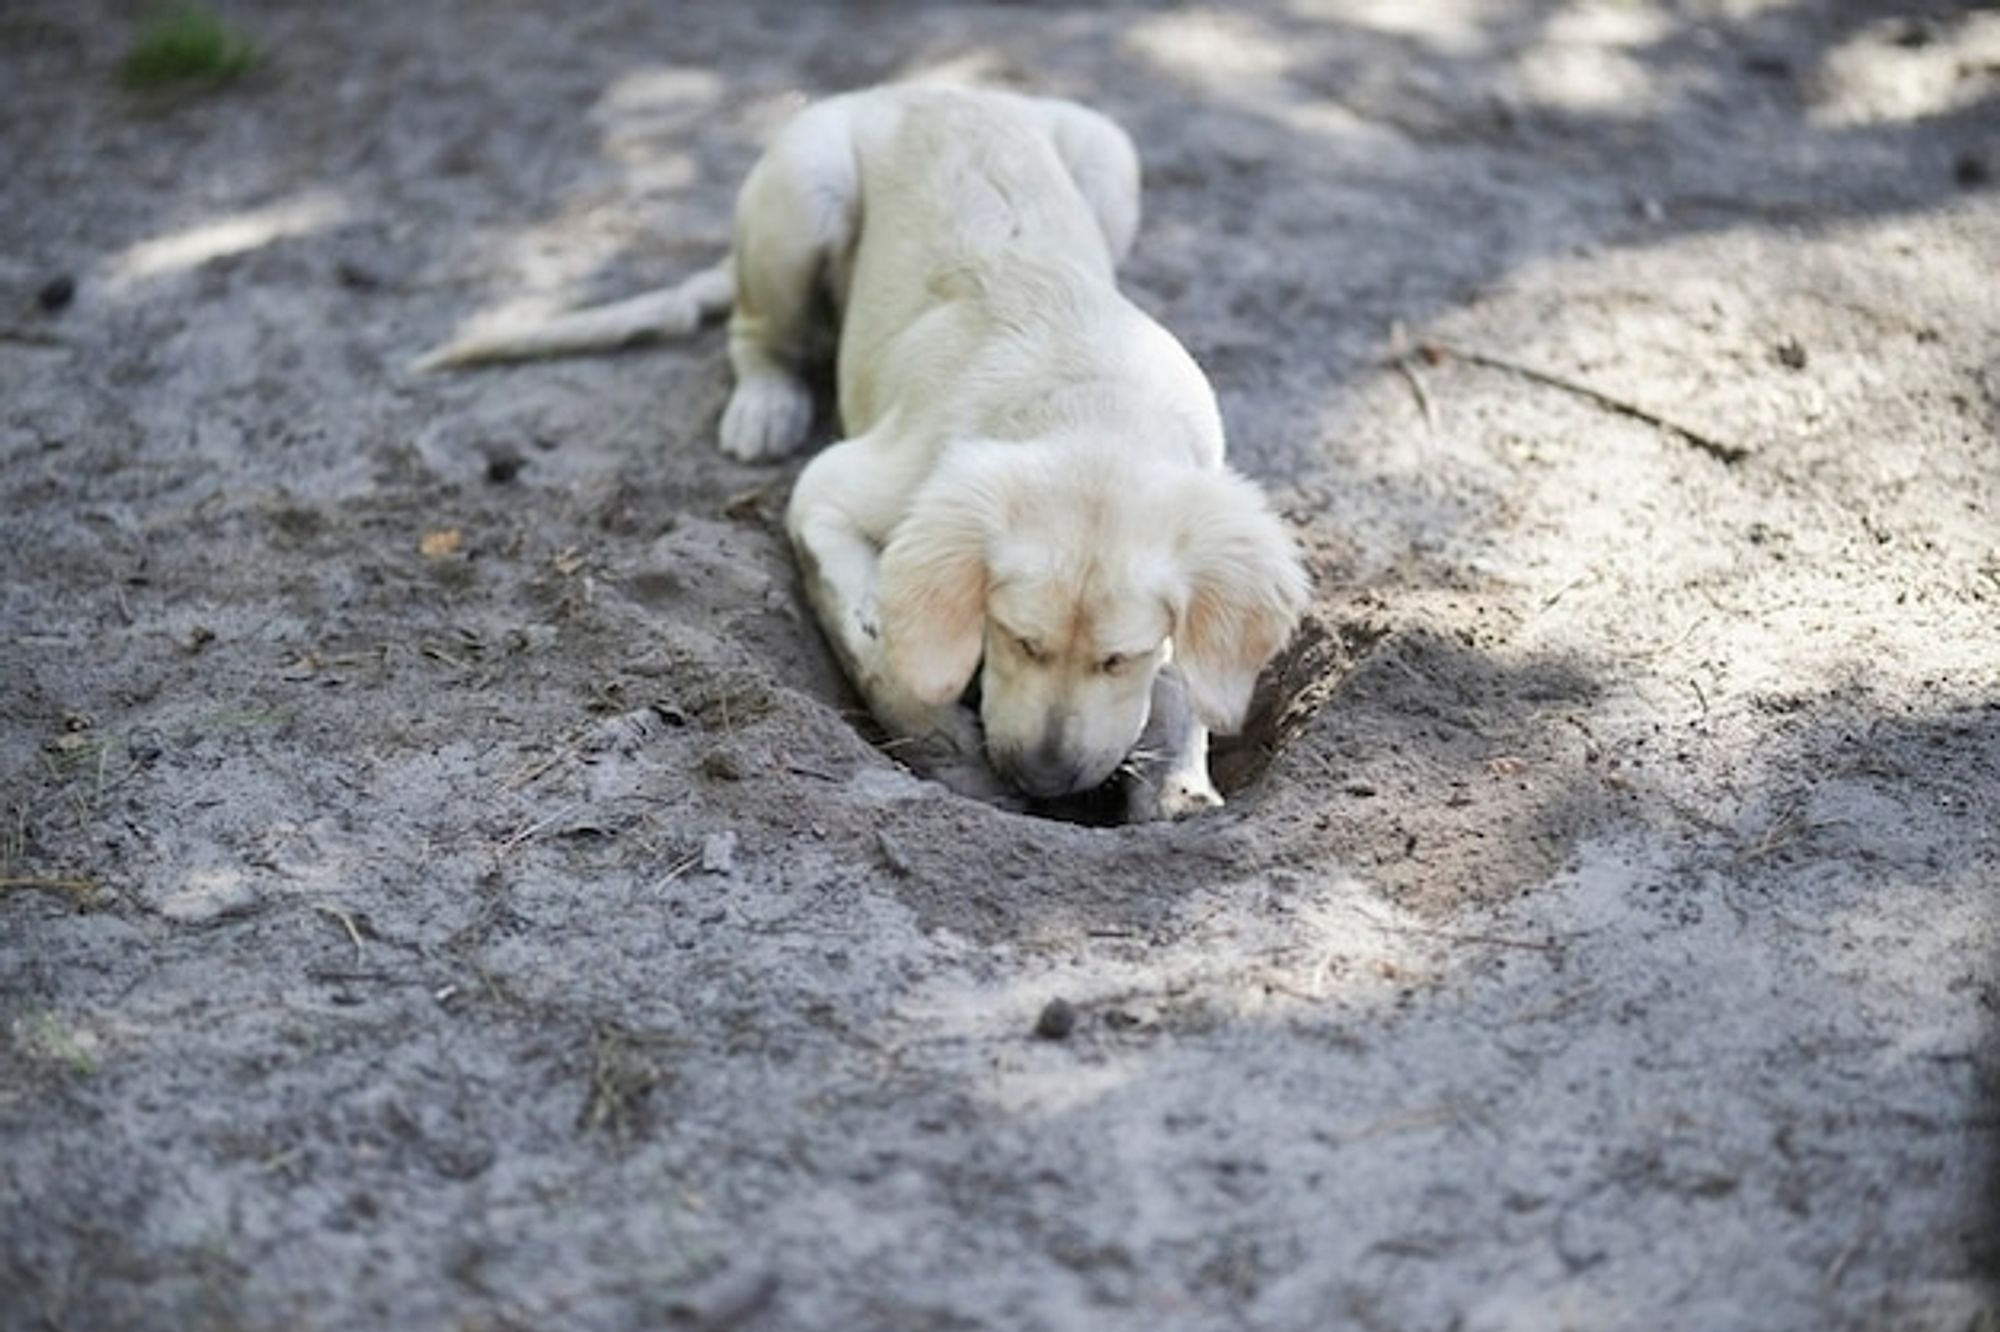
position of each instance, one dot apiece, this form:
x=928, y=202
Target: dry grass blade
x=346, y=923
x=515, y=842
x=1417, y=390
x=81, y=887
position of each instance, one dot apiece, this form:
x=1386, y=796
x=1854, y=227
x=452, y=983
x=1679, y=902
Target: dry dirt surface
x=447, y=885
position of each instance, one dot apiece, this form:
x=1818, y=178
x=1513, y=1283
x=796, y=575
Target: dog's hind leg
x=1168, y=777
x=796, y=220
x=1105, y=167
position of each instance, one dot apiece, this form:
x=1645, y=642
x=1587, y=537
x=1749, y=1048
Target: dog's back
x=973, y=224
x=981, y=278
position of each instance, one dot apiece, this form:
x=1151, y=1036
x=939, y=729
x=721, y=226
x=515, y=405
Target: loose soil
x=445, y=883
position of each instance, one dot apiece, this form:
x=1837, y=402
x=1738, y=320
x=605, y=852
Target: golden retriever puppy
x=1031, y=488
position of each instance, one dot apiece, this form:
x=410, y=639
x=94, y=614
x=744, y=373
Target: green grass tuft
x=186, y=46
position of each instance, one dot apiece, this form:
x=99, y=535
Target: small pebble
x=357, y=277
x=145, y=745
x=897, y=859
x=721, y=765
x=1791, y=354
x=718, y=853
x=56, y=293
x=1057, y=1021
x=503, y=466
x=725, y=1299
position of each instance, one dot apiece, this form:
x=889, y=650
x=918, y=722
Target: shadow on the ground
x=1378, y=740
x=589, y=1087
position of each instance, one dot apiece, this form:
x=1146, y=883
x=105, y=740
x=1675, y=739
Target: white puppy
x=1032, y=485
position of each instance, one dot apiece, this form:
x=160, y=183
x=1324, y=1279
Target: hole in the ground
x=1291, y=690
x=1294, y=687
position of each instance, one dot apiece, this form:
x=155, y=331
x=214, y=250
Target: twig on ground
x=1717, y=449
x=346, y=922
x=436, y=653
x=336, y=976
x=513, y=843
x=1548, y=602
x=530, y=772
x=1396, y=659
x=81, y=887
x=1788, y=829
x=1415, y=381
x=1663, y=648
x=27, y=337
x=1407, y=1121
x=676, y=870
x=802, y=770
x=1400, y=360
x=1838, y=1267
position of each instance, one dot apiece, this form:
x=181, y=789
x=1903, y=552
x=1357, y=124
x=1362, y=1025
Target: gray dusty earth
x=446, y=884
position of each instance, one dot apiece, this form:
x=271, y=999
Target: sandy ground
x=445, y=886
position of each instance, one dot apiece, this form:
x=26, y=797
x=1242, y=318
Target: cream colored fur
x=1032, y=485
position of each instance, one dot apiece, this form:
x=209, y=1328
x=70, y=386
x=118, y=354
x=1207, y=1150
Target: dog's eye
x=1029, y=648
x=1113, y=664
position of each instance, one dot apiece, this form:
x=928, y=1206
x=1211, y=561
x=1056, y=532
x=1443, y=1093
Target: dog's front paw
x=768, y=417
x=1176, y=797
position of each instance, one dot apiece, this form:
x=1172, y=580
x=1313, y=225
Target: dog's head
x=1074, y=580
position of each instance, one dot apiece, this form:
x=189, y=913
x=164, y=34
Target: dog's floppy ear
x=932, y=591
x=1239, y=595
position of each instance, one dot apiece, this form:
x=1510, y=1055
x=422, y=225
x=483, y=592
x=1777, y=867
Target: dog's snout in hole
x=1292, y=689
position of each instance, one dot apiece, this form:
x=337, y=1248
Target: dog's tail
x=672, y=313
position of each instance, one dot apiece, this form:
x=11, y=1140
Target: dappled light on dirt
x=1332, y=946
x=445, y=877
x=1212, y=51
x=223, y=237
x=1899, y=69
